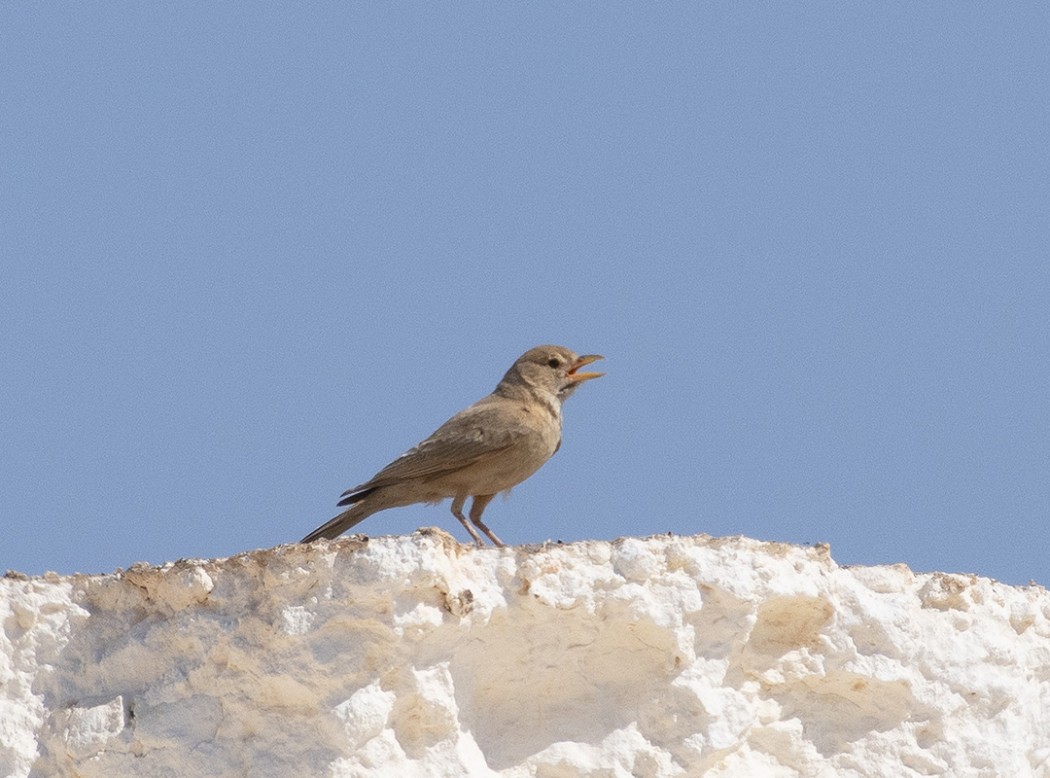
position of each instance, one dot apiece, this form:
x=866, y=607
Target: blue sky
x=252, y=252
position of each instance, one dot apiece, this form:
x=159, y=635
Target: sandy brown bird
x=493, y=445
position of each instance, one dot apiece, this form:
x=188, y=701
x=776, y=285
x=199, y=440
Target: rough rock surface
x=416, y=656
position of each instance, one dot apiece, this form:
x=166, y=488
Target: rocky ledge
x=418, y=656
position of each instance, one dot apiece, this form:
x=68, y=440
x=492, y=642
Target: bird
x=487, y=448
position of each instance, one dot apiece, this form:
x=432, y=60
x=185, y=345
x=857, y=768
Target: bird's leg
x=457, y=511
x=476, y=509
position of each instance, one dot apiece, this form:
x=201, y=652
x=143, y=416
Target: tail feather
x=350, y=496
x=363, y=503
x=340, y=524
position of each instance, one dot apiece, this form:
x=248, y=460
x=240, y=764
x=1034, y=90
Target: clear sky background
x=251, y=252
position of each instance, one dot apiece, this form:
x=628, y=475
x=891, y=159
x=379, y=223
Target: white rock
x=416, y=656
x=86, y=730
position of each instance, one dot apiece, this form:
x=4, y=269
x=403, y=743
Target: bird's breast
x=538, y=439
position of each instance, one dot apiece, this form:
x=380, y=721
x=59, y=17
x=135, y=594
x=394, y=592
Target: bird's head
x=553, y=370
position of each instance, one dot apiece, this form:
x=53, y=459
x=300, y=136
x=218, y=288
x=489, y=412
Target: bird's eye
x=554, y=362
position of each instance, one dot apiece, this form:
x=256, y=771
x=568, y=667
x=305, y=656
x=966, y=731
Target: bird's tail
x=341, y=523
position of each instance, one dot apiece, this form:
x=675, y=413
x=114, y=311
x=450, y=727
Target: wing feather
x=480, y=431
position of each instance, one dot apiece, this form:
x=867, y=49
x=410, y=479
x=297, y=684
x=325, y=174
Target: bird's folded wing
x=472, y=435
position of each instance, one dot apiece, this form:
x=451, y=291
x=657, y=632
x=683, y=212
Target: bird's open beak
x=586, y=359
